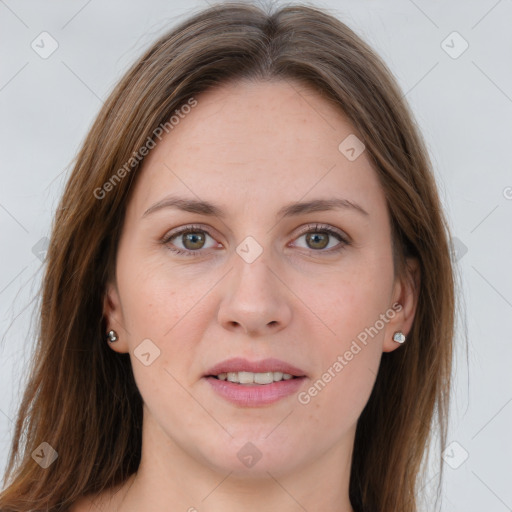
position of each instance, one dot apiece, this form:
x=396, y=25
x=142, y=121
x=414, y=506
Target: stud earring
x=399, y=337
x=112, y=336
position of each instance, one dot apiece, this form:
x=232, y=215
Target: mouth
x=245, y=378
x=243, y=371
x=257, y=383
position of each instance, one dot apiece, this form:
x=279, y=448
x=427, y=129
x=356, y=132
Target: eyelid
x=185, y=229
x=316, y=226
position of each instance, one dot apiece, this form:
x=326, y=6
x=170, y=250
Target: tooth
x=246, y=377
x=233, y=376
x=264, y=378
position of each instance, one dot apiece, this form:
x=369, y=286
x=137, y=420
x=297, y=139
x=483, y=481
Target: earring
x=112, y=336
x=399, y=337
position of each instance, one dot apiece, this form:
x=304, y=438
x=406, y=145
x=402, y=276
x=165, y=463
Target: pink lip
x=254, y=395
x=248, y=395
x=239, y=364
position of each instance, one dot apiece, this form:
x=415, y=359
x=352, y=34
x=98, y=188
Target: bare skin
x=252, y=148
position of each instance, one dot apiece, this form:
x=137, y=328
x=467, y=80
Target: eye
x=192, y=237
x=317, y=238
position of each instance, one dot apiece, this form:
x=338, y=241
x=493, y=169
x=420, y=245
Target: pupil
x=315, y=237
x=193, y=238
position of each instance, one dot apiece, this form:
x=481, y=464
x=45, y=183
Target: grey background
x=463, y=106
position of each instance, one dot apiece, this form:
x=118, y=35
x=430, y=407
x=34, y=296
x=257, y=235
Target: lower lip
x=247, y=395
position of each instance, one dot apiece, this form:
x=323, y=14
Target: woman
x=249, y=298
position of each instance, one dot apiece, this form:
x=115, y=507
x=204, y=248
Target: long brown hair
x=81, y=397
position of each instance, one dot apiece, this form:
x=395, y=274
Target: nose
x=255, y=299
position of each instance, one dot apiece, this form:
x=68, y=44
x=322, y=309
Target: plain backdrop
x=453, y=62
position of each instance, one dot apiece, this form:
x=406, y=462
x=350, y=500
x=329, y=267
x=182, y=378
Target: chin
x=253, y=459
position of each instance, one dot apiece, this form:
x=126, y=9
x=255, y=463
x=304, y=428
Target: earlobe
x=406, y=294
x=115, y=334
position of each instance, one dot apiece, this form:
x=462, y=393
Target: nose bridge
x=254, y=297
x=253, y=277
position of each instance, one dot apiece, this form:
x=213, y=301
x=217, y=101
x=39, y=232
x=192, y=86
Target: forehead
x=258, y=144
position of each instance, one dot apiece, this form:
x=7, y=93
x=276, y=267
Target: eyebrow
x=290, y=210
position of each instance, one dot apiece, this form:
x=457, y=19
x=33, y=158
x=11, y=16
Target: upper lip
x=239, y=364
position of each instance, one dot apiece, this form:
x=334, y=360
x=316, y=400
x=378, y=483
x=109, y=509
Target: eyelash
x=311, y=228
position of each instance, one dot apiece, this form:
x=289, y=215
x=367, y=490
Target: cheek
x=355, y=308
x=338, y=393
x=348, y=301
x=166, y=306
x=157, y=296
x=165, y=309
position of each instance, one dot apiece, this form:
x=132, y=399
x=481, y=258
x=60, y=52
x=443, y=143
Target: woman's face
x=258, y=278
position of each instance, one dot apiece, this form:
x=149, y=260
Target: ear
x=405, y=296
x=114, y=319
